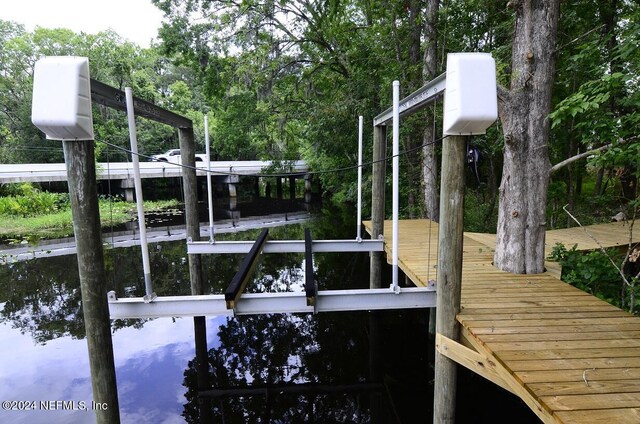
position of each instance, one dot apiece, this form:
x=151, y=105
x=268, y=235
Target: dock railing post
x=450, y=240
x=81, y=174
x=192, y=223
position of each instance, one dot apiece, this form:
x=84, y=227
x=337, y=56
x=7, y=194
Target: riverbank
x=59, y=223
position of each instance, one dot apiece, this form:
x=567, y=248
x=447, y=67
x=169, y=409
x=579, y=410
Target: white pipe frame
x=395, y=197
x=133, y=137
x=359, y=218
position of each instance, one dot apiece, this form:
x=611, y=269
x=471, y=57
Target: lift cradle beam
x=273, y=303
x=286, y=246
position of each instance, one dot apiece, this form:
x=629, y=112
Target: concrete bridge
x=223, y=172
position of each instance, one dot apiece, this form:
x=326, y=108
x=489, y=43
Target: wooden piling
x=449, y=282
x=81, y=175
x=377, y=202
x=192, y=223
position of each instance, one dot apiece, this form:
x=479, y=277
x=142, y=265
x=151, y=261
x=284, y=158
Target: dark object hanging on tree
x=473, y=157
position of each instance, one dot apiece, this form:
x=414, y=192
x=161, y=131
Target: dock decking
x=570, y=356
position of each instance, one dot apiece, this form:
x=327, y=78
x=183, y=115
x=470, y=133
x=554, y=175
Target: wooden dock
x=571, y=357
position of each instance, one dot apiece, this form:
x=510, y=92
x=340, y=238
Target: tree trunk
x=523, y=112
x=429, y=160
x=413, y=82
x=571, y=198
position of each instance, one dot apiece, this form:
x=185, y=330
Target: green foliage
x=592, y=272
x=25, y=201
x=33, y=217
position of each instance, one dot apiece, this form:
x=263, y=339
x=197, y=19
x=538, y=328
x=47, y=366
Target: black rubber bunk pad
x=240, y=280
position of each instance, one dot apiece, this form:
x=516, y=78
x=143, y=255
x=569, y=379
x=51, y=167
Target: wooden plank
x=550, y=322
x=588, y=301
x=539, y=315
x=573, y=364
x=603, y=416
x=545, y=336
x=550, y=329
x=518, y=355
x=585, y=387
x=510, y=295
x=575, y=344
x=591, y=402
x=598, y=374
x=510, y=289
x=473, y=312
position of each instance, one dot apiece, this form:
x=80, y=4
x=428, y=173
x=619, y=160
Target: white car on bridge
x=173, y=156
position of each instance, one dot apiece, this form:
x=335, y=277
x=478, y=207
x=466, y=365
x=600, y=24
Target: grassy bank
x=58, y=223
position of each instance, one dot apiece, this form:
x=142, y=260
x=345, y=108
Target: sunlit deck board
x=613, y=234
x=570, y=356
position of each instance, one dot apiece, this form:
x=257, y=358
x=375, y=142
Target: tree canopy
x=287, y=80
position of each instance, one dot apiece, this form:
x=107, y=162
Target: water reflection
x=379, y=360
x=296, y=362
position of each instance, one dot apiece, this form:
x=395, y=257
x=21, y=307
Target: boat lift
x=459, y=115
x=235, y=302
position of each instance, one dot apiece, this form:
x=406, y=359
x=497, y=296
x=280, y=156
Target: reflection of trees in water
x=44, y=302
x=272, y=350
x=42, y=296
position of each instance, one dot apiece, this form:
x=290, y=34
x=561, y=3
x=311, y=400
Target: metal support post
x=359, y=218
x=396, y=177
x=133, y=137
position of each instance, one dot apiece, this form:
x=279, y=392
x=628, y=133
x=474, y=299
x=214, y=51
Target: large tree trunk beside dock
x=523, y=112
x=429, y=159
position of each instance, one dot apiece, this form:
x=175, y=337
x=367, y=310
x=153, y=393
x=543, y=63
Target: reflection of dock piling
x=196, y=276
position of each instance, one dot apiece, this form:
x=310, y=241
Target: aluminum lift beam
x=286, y=246
x=273, y=303
x=420, y=98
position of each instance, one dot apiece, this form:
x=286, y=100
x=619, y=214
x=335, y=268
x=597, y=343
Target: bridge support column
x=231, y=181
x=129, y=189
x=256, y=187
x=307, y=188
x=292, y=188
x=278, y=188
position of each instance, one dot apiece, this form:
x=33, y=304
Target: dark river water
x=326, y=368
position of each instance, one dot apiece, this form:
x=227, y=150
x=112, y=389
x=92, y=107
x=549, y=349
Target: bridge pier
x=307, y=188
x=292, y=188
x=278, y=188
x=129, y=189
x=231, y=181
